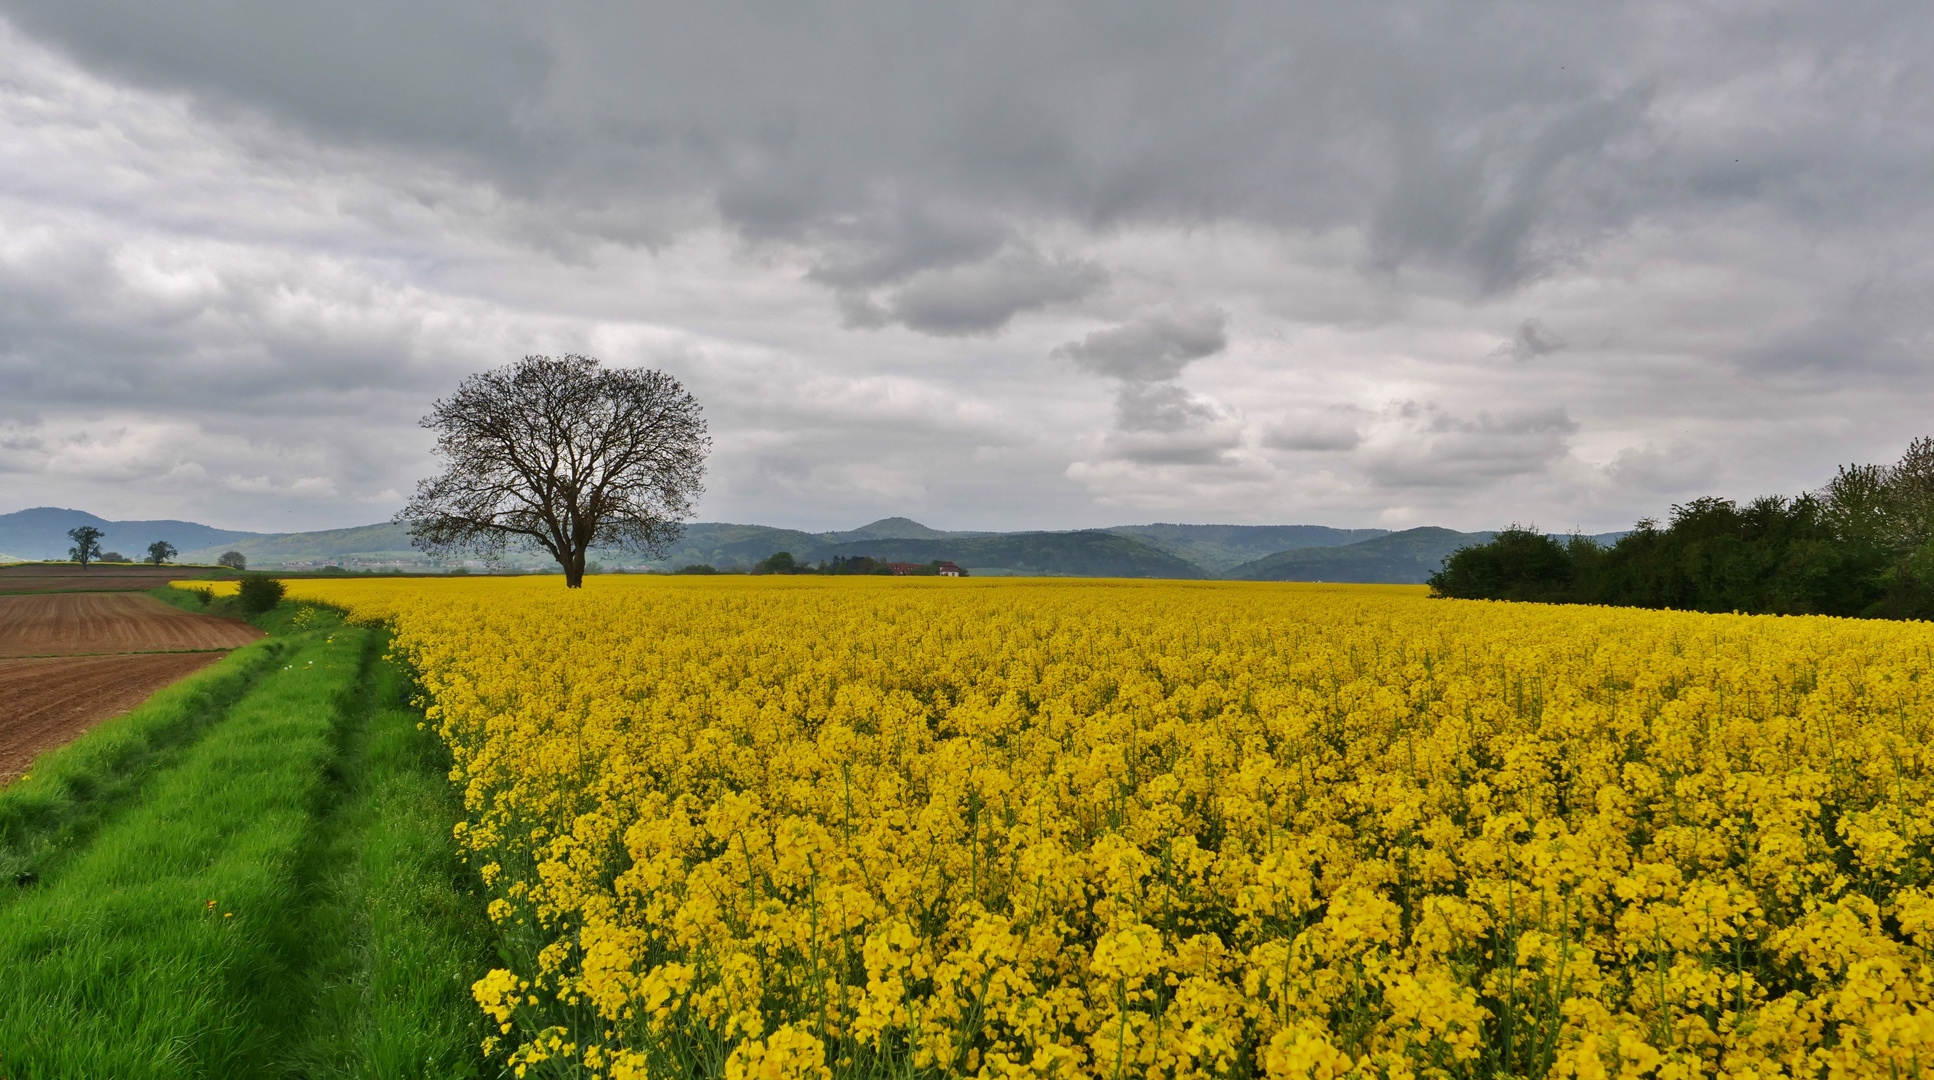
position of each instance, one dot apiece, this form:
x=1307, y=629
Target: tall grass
x=278, y=897
x=406, y=932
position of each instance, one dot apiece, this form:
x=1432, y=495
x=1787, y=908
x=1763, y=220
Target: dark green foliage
x=160, y=552
x=1772, y=556
x=87, y=544
x=1518, y=564
x=696, y=568
x=260, y=593
x=234, y=560
x=855, y=564
x=780, y=562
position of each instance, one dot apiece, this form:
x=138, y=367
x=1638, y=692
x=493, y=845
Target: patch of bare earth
x=71, y=660
x=52, y=700
x=43, y=577
x=73, y=624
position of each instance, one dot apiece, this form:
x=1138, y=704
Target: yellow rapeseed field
x=810, y=827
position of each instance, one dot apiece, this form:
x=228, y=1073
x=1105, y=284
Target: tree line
x=87, y=549
x=782, y=562
x=1861, y=546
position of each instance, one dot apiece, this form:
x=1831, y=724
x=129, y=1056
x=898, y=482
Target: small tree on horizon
x=563, y=455
x=160, y=552
x=87, y=544
x=234, y=560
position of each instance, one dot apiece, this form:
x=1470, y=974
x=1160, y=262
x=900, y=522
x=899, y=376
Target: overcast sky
x=986, y=265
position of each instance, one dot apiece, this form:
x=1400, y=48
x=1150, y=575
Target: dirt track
x=76, y=624
x=49, y=701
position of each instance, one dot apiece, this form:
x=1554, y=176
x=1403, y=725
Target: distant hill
x=41, y=533
x=1089, y=553
x=1407, y=557
x=382, y=544
x=1246, y=552
x=1220, y=548
x=725, y=546
x=713, y=543
x=894, y=528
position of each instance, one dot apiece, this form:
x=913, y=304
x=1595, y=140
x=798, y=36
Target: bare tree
x=564, y=455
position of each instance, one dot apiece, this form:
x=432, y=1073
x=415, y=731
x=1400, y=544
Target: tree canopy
x=87, y=544
x=1863, y=545
x=561, y=455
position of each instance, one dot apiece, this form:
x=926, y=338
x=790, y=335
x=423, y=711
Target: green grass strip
x=161, y=949
x=71, y=790
x=399, y=931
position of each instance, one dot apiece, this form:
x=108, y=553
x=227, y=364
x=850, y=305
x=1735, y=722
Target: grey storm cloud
x=1449, y=449
x=1157, y=421
x=975, y=298
x=892, y=245
x=1163, y=424
x=1476, y=137
x=1330, y=431
x=1153, y=346
x=1530, y=342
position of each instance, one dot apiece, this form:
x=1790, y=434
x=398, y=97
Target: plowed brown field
x=52, y=700
x=42, y=577
x=70, y=660
x=75, y=624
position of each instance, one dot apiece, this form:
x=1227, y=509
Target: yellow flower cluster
x=779, y=828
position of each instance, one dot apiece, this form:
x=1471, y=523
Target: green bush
x=260, y=593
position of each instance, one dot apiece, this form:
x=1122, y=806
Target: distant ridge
x=366, y=544
x=41, y=533
x=1085, y=553
x=1399, y=558
x=1220, y=548
x=1159, y=550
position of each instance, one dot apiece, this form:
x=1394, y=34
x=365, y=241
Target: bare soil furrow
x=72, y=624
x=45, y=702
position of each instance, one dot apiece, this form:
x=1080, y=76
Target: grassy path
x=268, y=891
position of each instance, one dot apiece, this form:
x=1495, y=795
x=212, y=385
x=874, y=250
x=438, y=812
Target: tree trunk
x=574, y=570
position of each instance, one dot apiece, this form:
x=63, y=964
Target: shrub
x=260, y=593
x=777, y=563
x=203, y=595
x=697, y=568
